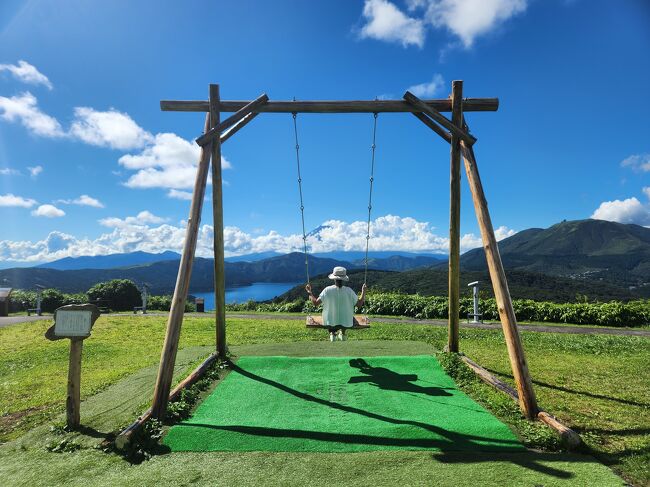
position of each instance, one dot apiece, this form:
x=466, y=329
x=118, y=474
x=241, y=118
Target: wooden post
x=217, y=214
x=175, y=320
x=73, y=400
x=526, y=394
x=454, y=219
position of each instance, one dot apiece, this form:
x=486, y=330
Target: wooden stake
x=454, y=219
x=217, y=212
x=216, y=130
x=343, y=106
x=73, y=399
x=442, y=120
x=175, y=320
x=527, y=400
x=570, y=438
x=124, y=438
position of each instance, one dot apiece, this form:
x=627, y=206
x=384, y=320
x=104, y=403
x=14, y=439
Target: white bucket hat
x=339, y=273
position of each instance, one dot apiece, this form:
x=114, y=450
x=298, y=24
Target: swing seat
x=358, y=322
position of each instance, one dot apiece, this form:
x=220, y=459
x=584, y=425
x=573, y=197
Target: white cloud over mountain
x=148, y=233
x=629, y=210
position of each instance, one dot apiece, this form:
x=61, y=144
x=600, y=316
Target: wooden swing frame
x=454, y=131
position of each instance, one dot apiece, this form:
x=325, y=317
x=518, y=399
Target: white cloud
x=169, y=162
x=630, y=210
x=386, y=22
x=140, y=233
x=646, y=191
x=428, y=89
x=179, y=195
x=469, y=19
x=108, y=129
x=466, y=19
x=48, y=211
x=27, y=73
x=142, y=219
x=35, y=171
x=638, y=162
x=7, y=171
x=24, y=108
x=10, y=199
x=83, y=200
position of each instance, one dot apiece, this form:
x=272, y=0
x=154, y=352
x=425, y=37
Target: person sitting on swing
x=338, y=303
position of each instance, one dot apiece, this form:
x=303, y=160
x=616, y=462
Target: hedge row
x=612, y=313
x=119, y=295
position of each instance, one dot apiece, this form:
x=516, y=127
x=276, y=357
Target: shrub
x=122, y=294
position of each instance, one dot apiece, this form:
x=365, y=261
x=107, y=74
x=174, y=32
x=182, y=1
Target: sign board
x=73, y=323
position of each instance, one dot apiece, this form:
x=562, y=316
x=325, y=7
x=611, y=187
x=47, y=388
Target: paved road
x=537, y=327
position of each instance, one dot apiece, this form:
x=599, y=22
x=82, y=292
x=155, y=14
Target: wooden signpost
x=75, y=322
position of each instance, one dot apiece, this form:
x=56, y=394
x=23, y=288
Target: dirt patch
x=13, y=421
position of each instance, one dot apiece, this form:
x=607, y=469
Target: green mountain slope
x=584, y=249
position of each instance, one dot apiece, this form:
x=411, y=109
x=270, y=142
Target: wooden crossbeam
x=442, y=120
x=325, y=106
x=207, y=137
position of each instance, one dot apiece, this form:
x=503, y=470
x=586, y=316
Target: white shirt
x=338, y=306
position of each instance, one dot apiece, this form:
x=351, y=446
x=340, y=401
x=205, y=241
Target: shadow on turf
x=449, y=444
x=386, y=379
x=581, y=393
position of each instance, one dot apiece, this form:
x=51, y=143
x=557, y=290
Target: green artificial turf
x=340, y=404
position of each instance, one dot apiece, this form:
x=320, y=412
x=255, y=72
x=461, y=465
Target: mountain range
x=71, y=275
x=595, y=258
x=594, y=250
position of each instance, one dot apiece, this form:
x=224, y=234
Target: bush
x=51, y=299
x=164, y=303
x=612, y=313
x=122, y=294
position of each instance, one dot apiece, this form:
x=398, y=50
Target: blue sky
x=90, y=165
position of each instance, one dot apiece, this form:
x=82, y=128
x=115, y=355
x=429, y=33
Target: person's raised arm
x=314, y=300
x=362, y=298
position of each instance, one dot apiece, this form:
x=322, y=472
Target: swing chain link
x=302, y=205
x=372, y=180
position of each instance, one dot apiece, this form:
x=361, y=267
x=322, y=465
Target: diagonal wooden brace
x=238, y=126
x=214, y=132
x=433, y=126
x=438, y=117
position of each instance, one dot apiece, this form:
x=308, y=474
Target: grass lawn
x=598, y=384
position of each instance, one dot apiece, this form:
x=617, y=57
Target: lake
x=258, y=291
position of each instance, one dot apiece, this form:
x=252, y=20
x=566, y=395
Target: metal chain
x=302, y=206
x=372, y=180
